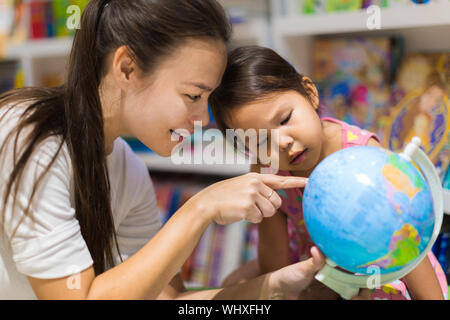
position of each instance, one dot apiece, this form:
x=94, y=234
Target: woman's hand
x=318, y=291
x=291, y=282
x=251, y=197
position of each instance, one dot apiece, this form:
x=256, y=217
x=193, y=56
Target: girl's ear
x=123, y=67
x=312, y=91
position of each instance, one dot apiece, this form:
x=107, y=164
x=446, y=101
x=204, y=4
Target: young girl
x=78, y=214
x=260, y=90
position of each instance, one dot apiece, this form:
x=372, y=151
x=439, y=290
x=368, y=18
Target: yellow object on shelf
x=19, y=80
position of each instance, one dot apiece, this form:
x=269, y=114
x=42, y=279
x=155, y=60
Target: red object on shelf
x=37, y=20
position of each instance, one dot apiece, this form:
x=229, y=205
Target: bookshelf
x=38, y=57
x=413, y=16
x=42, y=48
x=423, y=27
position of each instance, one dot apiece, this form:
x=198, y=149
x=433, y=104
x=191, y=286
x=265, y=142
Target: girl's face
x=298, y=124
x=168, y=102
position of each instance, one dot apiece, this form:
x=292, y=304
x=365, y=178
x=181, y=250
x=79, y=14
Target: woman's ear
x=123, y=67
x=312, y=91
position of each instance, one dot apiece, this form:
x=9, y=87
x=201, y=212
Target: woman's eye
x=286, y=120
x=193, y=98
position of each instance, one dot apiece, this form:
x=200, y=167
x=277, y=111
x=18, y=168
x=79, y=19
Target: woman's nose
x=202, y=116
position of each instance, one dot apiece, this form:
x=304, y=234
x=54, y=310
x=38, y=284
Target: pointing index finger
x=283, y=182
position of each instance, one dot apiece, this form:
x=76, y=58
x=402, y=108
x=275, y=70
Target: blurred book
x=325, y=6
x=38, y=19
x=10, y=75
x=52, y=79
x=353, y=76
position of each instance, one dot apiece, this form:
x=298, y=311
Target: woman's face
x=297, y=123
x=175, y=95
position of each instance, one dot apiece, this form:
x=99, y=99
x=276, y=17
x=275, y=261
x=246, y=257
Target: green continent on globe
x=403, y=248
x=399, y=177
x=404, y=167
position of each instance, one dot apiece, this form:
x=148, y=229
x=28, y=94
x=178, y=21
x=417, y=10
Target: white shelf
x=42, y=48
x=412, y=16
x=255, y=31
x=158, y=163
x=31, y=55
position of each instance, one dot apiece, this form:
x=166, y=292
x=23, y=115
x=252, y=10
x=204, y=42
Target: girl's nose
x=285, y=142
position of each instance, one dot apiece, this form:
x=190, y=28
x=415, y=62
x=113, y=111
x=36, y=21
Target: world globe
x=367, y=207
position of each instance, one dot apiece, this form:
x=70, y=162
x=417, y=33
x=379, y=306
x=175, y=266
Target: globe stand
x=348, y=285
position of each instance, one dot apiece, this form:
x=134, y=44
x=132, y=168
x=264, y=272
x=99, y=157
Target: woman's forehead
x=196, y=62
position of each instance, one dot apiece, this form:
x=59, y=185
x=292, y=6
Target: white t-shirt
x=48, y=243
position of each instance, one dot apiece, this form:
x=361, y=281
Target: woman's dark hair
x=254, y=73
x=151, y=30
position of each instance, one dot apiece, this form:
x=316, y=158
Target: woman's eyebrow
x=199, y=85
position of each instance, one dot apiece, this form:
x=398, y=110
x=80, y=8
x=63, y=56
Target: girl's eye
x=193, y=98
x=286, y=120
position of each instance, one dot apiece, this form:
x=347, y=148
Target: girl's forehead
x=252, y=115
x=260, y=113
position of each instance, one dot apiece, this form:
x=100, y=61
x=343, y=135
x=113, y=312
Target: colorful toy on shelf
x=422, y=86
x=379, y=3
x=372, y=212
x=342, y=5
x=60, y=17
x=353, y=76
x=321, y=6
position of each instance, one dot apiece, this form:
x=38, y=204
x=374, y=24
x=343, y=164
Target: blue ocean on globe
x=367, y=206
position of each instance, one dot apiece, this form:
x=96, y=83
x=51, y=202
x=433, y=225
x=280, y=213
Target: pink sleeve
x=354, y=136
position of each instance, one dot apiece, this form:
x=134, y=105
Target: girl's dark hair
x=151, y=30
x=254, y=73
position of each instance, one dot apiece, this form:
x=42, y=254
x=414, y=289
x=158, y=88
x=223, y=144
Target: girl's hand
x=251, y=197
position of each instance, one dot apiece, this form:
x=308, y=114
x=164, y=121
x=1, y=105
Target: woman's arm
x=422, y=282
x=149, y=271
x=143, y=275
x=286, y=283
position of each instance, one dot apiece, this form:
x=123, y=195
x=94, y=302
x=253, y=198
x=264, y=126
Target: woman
x=78, y=210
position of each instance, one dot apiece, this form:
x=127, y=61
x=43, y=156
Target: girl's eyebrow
x=199, y=85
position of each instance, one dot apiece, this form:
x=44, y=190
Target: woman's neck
x=111, y=107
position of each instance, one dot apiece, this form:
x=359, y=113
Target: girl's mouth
x=298, y=157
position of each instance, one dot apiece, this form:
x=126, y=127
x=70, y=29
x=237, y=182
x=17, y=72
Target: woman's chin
x=163, y=153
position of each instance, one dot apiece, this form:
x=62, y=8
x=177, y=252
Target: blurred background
x=383, y=68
